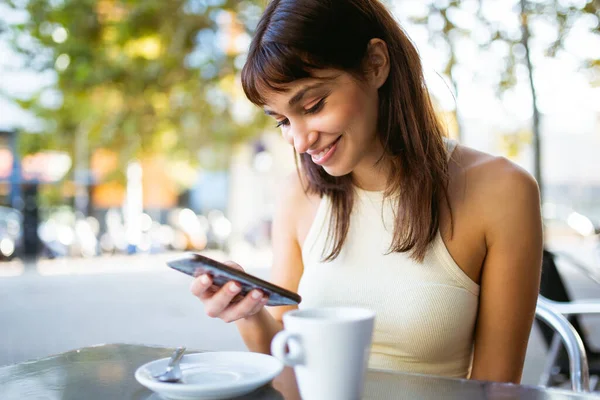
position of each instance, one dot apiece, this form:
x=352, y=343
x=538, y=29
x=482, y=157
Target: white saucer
x=213, y=375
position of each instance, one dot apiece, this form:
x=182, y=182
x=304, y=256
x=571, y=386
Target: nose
x=302, y=141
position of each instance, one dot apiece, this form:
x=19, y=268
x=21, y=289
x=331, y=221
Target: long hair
x=296, y=37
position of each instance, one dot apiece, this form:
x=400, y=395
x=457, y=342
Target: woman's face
x=332, y=117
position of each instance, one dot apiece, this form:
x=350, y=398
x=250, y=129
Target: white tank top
x=425, y=312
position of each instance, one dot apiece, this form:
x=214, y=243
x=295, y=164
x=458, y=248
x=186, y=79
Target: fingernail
x=256, y=294
x=204, y=279
x=234, y=288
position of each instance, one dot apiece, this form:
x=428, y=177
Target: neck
x=371, y=175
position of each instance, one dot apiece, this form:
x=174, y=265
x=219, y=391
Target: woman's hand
x=226, y=302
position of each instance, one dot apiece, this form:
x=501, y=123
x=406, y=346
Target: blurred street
x=59, y=305
x=62, y=304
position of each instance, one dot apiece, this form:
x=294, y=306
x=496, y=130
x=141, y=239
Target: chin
x=336, y=171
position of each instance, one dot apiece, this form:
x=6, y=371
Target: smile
x=325, y=154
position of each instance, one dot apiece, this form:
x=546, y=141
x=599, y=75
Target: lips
x=326, y=153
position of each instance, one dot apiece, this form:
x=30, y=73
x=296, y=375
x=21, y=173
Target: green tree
x=137, y=77
x=443, y=24
x=562, y=16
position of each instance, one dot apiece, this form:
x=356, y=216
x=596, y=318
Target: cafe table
x=107, y=372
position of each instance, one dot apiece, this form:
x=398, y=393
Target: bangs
x=270, y=66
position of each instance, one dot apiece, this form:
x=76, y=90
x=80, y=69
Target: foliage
x=560, y=17
x=138, y=77
x=447, y=24
x=155, y=76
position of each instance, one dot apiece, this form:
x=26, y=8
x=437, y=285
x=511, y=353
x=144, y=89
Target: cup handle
x=295, y=356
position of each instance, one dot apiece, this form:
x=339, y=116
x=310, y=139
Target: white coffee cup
x=329, y=350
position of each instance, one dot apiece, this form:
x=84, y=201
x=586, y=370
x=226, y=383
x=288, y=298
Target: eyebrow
x=298, y=96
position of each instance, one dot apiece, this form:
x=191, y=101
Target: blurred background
x=126, y=139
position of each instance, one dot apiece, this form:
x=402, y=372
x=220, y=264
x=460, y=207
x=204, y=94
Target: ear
x=377, y=62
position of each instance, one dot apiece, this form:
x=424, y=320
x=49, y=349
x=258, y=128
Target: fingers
x=201, y=287
x=250, y=305
x=220, y=302
x=215, y=305
x=227, y=303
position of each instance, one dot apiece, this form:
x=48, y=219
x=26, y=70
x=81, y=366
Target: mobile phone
x=197, y=265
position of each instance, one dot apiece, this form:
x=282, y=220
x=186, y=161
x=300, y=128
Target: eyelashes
x=316, y=108
x=283, y=122
x=313, y=110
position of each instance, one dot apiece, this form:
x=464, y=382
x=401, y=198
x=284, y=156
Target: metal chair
x=564, y=331
x=554, y=294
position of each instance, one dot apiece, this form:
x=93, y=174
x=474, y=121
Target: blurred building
x=257, y=172
x=159, y=190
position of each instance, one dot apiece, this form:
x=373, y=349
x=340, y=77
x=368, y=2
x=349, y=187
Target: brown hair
x=296, y=37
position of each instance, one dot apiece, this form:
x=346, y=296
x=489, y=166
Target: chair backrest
x=553, y=288
x=578, y=364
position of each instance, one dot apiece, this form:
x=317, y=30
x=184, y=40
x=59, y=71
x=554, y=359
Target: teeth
x=322, y=154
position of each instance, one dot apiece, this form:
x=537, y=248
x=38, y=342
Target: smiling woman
x=380, y=92
x=443, y=242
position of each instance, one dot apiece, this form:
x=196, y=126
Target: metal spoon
x=173, y=372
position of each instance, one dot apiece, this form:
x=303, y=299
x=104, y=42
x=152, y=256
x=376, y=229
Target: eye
x=283, y=122
x=317, y=107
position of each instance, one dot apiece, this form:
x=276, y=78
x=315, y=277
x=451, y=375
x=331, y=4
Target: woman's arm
x=257, y=325
x=511, y=272
x=258, y=330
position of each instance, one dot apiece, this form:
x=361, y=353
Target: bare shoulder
x=295, y=205
x=490, y=175
x=293, y=188
x=494, y=186
x=293, y=195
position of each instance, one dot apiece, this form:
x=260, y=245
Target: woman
x=442, y=241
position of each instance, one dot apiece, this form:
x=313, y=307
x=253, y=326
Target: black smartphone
x=197, y=265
